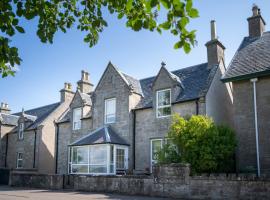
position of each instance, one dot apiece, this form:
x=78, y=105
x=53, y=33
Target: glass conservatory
x=99, y=153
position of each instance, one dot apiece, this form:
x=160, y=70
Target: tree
x=198, y=141
x=87, y=15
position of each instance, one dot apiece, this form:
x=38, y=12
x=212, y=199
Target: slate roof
x=8, y=119
x=252, y=59
x=103, y=135
x=195, y=80
x=86, y=98
x=134, y=84
x=38, y=114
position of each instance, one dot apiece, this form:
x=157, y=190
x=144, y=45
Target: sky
x=45, y=67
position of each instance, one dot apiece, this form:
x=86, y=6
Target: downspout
x=35, y=146
x=134, y=137
x=254, y=80
x=197, y=106
x=6, y=152
x=56, y=147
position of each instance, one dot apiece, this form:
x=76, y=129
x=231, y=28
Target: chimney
x=215, y=49
x=84, y=84
x=4, y=108
x=66, y=92
x=256, y=24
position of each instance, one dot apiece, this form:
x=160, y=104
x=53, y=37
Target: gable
x=111, y=78
x=77, y=100
x=164, y=80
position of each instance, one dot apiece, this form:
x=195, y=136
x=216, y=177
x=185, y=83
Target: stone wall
x=44, y=181
x=167, y=181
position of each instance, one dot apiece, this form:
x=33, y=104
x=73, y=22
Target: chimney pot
x=255, y=10
x=84, y=84
x=4, y=108
x=66, y=92
x=213, y=30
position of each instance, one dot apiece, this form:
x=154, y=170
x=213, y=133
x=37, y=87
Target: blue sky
x=46, y=67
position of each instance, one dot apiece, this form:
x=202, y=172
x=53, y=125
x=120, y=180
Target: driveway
x=11, y=193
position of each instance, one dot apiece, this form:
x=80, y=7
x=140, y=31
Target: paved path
x=11, y=193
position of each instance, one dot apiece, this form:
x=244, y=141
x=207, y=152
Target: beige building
x=28, y=137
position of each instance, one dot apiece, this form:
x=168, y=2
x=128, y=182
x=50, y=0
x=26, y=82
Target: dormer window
x=110, y=110
x=20, y=133
x=163, y=103
x=77, y=115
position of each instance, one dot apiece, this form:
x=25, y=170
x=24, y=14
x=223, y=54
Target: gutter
x=254, y=80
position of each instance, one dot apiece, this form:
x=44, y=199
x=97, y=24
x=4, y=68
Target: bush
x=198, y=141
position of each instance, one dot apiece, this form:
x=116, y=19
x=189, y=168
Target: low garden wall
x=167, y=181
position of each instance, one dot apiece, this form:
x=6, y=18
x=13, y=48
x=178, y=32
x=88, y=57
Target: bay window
x=110, y=110
x=163, y=103
x=77, y=115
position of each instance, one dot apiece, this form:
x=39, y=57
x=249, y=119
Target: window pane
x=156, y=146
x=79, y=168
x=98, y=155
x=164, y=111
x=164, y=98
x=98, y=169
x=80, y=155
x=110, y=109
x=77, y=114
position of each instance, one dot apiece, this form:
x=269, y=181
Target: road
x=11, y=193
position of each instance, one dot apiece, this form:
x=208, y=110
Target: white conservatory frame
x=108, y=161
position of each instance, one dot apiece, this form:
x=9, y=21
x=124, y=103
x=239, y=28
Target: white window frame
x=78, y=124
x=21, y=130
x=105, y=111
x=166, y=106
x=151, y=153
x=19, y=159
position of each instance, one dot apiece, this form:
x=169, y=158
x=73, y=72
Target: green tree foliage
x=88, y=16
x=198, y=141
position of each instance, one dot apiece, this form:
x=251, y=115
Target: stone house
x=28, y=137
x=249, y=73
x=121, y=124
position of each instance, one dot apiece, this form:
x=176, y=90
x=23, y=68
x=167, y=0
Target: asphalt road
x=11, y=193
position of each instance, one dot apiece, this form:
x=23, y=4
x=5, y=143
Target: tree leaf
x=20, y=29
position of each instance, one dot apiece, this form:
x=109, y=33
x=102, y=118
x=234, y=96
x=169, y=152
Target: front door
x=156, y=145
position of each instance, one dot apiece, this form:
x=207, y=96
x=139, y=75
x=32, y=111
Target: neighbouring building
x=28, y=137
x=121, y=124
x=249, y=72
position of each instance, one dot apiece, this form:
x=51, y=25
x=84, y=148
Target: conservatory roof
x=103, y=135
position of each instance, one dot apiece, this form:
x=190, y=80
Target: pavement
x=13, y=193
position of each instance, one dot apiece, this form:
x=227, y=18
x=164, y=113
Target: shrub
x=198, y=141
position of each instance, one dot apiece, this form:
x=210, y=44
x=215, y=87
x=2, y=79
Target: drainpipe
x=56, y=147
x=6, y=152
x=35, y=146
x=254, y=80
x=197, y=106
x=134, y=134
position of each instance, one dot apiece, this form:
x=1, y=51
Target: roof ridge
x=175, y=71
x=36, y=108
